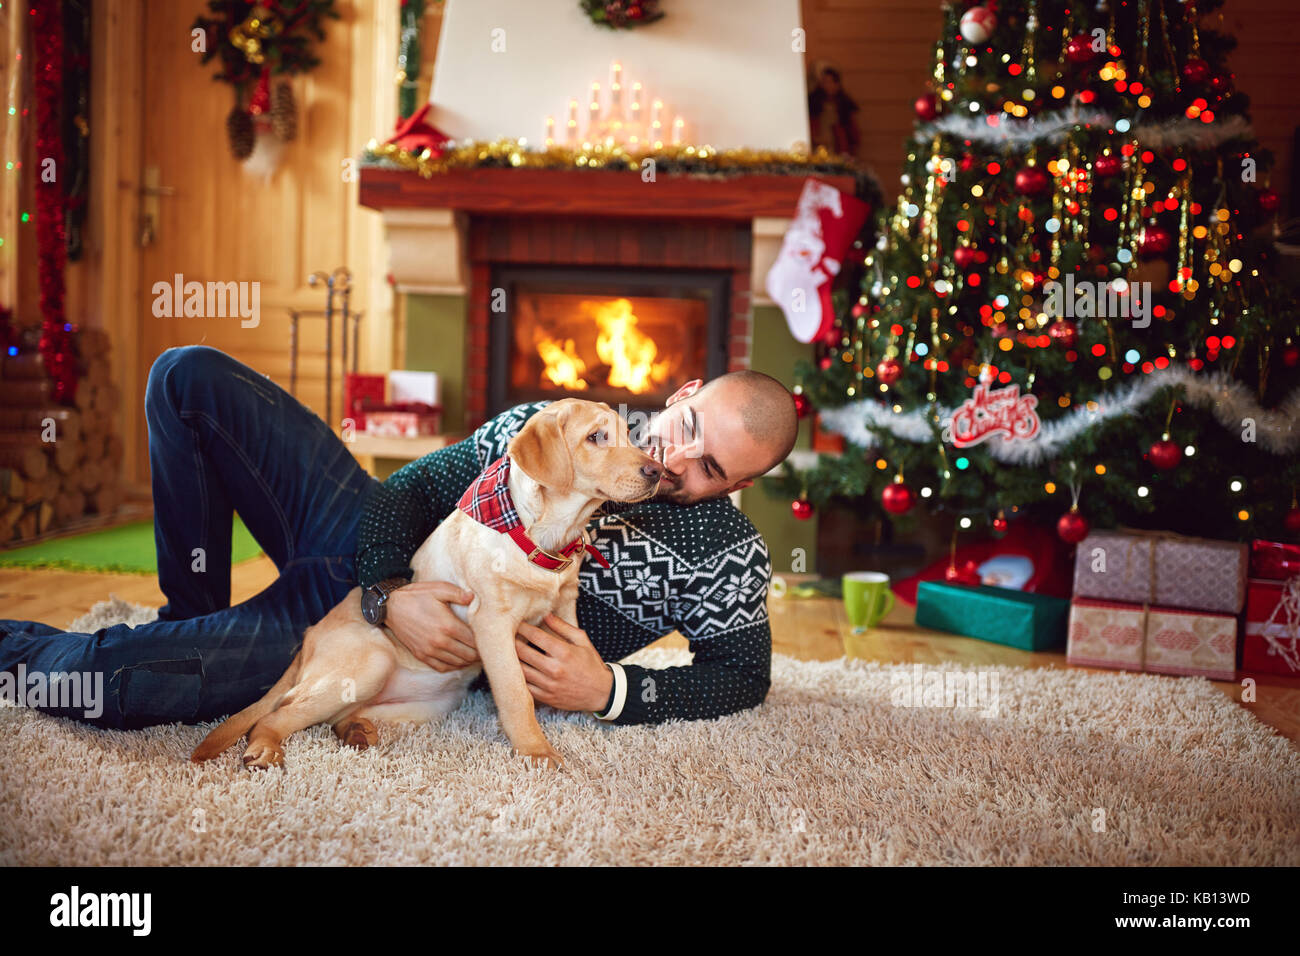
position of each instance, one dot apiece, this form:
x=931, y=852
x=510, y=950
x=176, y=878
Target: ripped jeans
x=222, y=438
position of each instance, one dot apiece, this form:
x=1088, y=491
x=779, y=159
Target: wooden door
x=218, y=224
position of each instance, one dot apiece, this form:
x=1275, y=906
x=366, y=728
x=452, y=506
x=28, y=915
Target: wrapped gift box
x=1274, y=560
x=361, y=392
x=1163, y=570
x=405, y=421
x=1191, y=642
x=1270, y=642
x=1106, y=634
x=1031, y=622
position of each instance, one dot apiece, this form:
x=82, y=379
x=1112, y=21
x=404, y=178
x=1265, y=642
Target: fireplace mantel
x=426, y=219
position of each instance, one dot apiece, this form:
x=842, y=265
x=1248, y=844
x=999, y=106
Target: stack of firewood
x=57, y=462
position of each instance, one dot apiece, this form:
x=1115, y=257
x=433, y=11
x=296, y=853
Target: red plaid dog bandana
x=487, y=501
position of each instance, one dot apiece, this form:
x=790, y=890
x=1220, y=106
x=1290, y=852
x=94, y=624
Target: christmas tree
x=1076, y=298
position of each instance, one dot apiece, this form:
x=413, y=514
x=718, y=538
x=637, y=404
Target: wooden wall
x=883, y=48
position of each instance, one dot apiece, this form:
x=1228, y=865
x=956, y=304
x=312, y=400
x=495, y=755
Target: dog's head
x=583, y=447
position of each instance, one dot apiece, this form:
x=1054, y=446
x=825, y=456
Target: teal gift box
x=1031, y=622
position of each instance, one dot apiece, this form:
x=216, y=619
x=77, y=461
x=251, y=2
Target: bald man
x=223, y=437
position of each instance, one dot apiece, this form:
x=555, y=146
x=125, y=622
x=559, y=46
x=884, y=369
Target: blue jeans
x=222, y=438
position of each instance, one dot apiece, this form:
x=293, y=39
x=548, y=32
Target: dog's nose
x=652, y=470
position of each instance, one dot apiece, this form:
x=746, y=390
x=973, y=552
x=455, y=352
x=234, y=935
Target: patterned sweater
x=700, y=569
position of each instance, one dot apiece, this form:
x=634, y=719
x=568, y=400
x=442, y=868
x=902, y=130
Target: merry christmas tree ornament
x=898, y=498
x=1000, y=524
x=927, y=107
x=1155, y=241
x=1079, y=49
x=978, y=24
x=1291, y=522
x=1072, y=526
x=1032, y=181
x=1196, y=71
x=1064, y=333
x=1107, y=165
x=889, y=371
x=812, y=253
x=1165, y=454
x=802, y=407
x=1269, y=201
x=801, y=508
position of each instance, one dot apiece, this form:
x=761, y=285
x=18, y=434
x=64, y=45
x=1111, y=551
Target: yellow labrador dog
x=501, y=543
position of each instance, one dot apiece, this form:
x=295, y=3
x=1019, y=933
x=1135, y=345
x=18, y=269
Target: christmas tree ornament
x=1072, y=527
x=978, y=24
x=1064, y=333
x=1000, y=523
x=239, y=131
x=284, y=112
x=802, y=406
x=1269, y=201
x=801, y=508
x=1107, y=165
x=1078, y=50
x=1165, y=454
x=1291, y=355
x=825, y=223
x=1032, y=181
x=897, y=498
x=966, y=258
x=1196, y=71
x=1155, y=241
x=889, y=371
x=927, y=107
x=968, y=573
x=1291, y=520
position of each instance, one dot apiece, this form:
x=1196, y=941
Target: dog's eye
x=597, y=437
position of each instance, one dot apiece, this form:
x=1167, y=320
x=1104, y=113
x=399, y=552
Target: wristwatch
x=374, y=599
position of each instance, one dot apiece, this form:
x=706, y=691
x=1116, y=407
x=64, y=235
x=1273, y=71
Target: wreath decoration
x=622, y=14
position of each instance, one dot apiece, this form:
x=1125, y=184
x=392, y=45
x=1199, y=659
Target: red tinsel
x=56, y=333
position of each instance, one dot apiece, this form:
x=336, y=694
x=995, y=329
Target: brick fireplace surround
x=447, y=233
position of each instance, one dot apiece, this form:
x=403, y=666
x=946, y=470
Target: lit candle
x=679, y=125
x=656, y=113
x=593, y=112
x=550, y=131
x=615, y=79
x=636, y=102
x=571, y=133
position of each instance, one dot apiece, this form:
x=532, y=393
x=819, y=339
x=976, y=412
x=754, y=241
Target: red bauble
x=801, y=509
x=1107, y=166
x=1073, y=527
x=824, y=362
x=1000, y=525
x=1079, y=50
x=1269, y=201
x=967, y=573
x=1292, y=521
x=897, y=498
x=801, y=405
x=1291, y=355
x=965, y=257
x=1155, y=241
x=1196, y=71
x=1064, y=333
x=1165, y=454
x=1221, y=84
x=927, y=107
x=1032, y=180
x=966, y=163
x=858, y=310
x=889, y=371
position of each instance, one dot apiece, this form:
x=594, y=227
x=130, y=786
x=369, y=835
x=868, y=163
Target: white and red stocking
x=825, y=224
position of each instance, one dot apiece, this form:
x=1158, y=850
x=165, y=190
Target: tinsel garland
x=509, y=153
x=1055, y=126
x=1277, y=430
x=56, y=335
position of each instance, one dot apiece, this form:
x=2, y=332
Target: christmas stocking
x=825, y=224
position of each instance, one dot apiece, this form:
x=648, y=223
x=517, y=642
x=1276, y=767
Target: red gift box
x=404, y=419
x=1274, y=560
x=360, y=393
x=1271, y=642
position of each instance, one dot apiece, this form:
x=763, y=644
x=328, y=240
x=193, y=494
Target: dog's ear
x=541, y=451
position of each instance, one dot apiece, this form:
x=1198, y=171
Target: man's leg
x=222, y=438
x=191, y=670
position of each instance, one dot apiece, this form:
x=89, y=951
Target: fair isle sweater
x=699, y=569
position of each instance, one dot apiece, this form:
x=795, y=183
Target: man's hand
x=419, y=617
x=563, y=670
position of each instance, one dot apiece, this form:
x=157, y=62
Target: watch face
x=370, y=606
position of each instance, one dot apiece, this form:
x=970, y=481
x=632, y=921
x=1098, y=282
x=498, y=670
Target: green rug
x=126, y=549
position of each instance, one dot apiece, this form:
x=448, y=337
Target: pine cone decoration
x=284, y=113
x=239, y=128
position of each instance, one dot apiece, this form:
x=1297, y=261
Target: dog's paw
x=263, y=757
x=357, y=732
x=547, y=759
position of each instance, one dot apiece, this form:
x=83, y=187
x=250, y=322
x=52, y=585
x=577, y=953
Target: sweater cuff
x=618, y=697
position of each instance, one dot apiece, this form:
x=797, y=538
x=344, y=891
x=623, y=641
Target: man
x=223, y=438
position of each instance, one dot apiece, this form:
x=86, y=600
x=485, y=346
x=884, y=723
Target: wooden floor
x=805, y=628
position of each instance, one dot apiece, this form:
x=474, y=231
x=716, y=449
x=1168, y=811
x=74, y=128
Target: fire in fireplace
x=622, y=337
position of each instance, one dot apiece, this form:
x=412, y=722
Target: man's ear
x=686, y=391
x=743, y=483
x=541, y=451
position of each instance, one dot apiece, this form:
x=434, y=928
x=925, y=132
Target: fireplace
x=628, y=337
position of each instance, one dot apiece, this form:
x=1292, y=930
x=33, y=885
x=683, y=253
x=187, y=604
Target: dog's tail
x=230, y=730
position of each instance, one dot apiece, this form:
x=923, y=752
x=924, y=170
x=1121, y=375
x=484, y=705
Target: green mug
x=867, y=598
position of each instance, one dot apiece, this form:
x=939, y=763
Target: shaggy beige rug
x=1053, y=766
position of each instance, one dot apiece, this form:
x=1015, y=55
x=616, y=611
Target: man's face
x=702, y=443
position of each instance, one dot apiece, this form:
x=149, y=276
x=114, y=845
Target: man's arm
x=401, y=513
x=724, y=616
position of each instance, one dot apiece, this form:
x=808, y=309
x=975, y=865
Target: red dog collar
x=487, y=500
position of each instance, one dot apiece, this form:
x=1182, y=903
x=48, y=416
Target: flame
x=564, y=368
x=629, y=352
